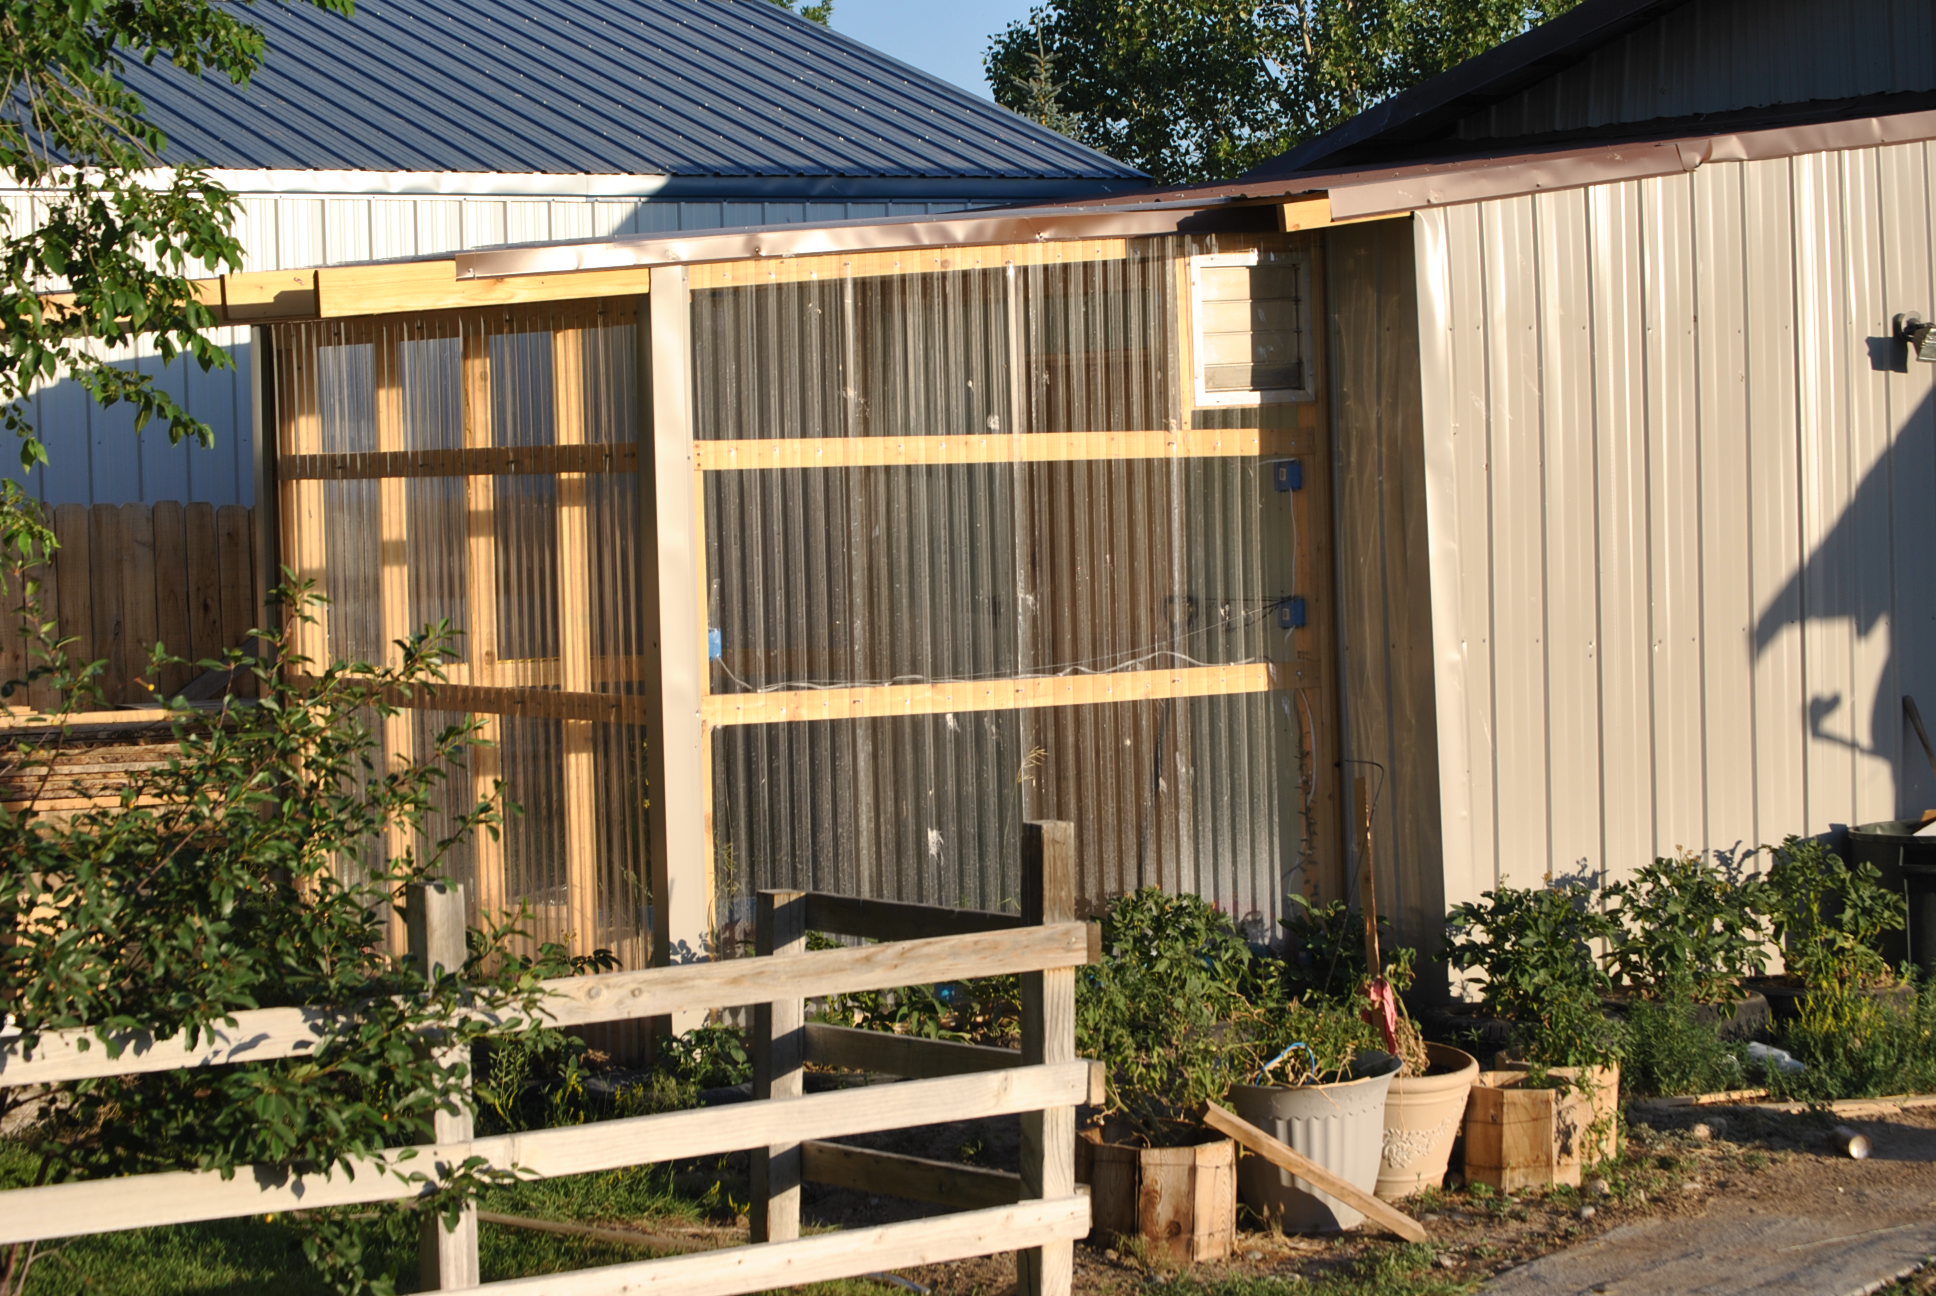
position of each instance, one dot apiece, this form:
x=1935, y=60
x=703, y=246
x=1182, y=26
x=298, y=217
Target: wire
x=1089, y=666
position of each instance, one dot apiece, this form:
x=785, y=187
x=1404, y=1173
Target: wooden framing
x=480, y=599
x=483, y=460
x=582, y=881
x=1037, y=447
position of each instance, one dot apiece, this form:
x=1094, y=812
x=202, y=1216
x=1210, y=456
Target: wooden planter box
x=1516, y=1137
x=1182, y=1201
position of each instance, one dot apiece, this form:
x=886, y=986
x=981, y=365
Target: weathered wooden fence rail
x=1037, y=1213
x=128, y=576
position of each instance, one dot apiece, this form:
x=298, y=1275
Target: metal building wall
x=1679, y=484
x=1717, y=55
x=1384, y=608
x=96, y=456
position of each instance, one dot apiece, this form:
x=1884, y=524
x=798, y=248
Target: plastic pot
x=1423, y=1116
x=1340, y=1126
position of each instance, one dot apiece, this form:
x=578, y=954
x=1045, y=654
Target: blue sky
x=945, y=37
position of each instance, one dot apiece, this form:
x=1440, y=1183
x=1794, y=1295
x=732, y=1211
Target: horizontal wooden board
x=824, y=1257
x=891, y=1174
x=185, y=1197
x=913, y=1058
x=911, y=261
x=871, y=919
x=1030, y=447
x=554, y=704
x=494, y=461
x=268, y=1033
x=985, y=695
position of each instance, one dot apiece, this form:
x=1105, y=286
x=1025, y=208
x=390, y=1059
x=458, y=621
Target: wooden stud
x=1035, y=447
x=471, y=461
x=480, y=602
x=909, y=261
x=1048, y=1038
x=568, y=377
x=1285, y=1157
x=676, y=755
x=393, y=567
x=890, y=1174
x=303, y=504
x=436, y=920
x=779, y=1053
x=988, y=695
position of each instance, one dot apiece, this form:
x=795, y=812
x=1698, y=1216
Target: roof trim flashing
x=1394, y=189
x=1008, y=225
x=544, y=185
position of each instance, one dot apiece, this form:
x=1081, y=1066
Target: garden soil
x=1702, y=1201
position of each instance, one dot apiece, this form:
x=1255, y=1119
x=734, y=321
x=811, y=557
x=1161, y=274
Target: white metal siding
x=96, y=457
x=1682, y=504
x=1711, y=56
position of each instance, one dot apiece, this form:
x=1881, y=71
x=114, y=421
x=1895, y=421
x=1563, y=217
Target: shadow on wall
x=1875, y=567
x=95, y=456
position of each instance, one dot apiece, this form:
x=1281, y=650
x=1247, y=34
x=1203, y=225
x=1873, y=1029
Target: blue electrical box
x=1288, y=474
x=1291, y=613
x=715, y=644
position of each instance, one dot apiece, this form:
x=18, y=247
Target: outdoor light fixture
x=1919, y=334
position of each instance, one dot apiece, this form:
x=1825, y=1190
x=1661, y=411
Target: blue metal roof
x=686, y=88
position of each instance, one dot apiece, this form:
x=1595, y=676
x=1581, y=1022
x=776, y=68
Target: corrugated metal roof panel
x=702, y=88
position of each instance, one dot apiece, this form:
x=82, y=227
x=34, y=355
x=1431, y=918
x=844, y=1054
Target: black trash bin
x=1908, y=866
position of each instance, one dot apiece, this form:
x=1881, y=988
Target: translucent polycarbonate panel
x=825, y=577
x=1191, y=794
x=1005, y=533
x=480, y=469
x=1085, y=345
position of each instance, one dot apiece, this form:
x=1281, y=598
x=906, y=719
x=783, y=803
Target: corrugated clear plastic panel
x=525, y=508
x=919, y=574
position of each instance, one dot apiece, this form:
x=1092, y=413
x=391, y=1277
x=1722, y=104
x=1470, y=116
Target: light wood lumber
x=891, y=1174
x=1049, y=874
x=266, y=1033
x=986, y=695
x=910, y=261
x=471, y=461
x=575, y=644
x=146, y=1201
x=779, y=1058
x=486, y=760
x=1034, y=447
x=824, y=1257
x=870, y=919
x=448, y=1257
x=409, y=286
x=1285, y=1157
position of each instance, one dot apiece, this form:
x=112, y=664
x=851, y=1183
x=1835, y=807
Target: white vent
x=1249, y=327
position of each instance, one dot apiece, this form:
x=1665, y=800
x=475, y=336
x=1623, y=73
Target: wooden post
x=779, y=1051
x=436, y=918
x=1048, y=1035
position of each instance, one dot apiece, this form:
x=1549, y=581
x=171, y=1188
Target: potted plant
x=1425, y=1106
x=1555, y=1107
x=1157, y=1011
x=1320, y=1086
x=1830, y=919
x=1690, y=931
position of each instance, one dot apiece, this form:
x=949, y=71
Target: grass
x=258, y=1253
x=1398, y=1270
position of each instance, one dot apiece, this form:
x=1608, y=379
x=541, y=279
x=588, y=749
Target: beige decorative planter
x=1423, y=1116
x=1182, y=1201
x=1517, y=1137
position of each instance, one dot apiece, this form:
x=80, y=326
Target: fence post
x=779, y=1033
x=1048, y=1035
x=435, y=917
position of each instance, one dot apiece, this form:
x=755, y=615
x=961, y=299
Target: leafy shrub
x=1672, y=1050
x=250, y=872
x=1158, y=1011
x=713, y=1056
x=985, y=1010
x=1534, y=947
x=1831, y=916
x=1857, y=1045
x=1688, y=929
x=1324, y=948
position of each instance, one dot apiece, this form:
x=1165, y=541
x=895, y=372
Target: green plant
x=986, y=1010
x=1830, y=916
x=1158, y=1012
x=1541, y=973
x=1671, y=1050
x=248, y=872
x=1688, y=929
x=1307, y=1041
x=713, y=1056
x=1857, y=1045
x=1324, y=948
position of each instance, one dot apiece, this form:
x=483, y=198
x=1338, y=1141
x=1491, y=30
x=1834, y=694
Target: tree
x=822, y=11
x=120, y=230
x=1205, y=89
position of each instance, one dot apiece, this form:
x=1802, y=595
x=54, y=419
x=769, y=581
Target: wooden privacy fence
x=128, y=576
x=1038, y=1213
